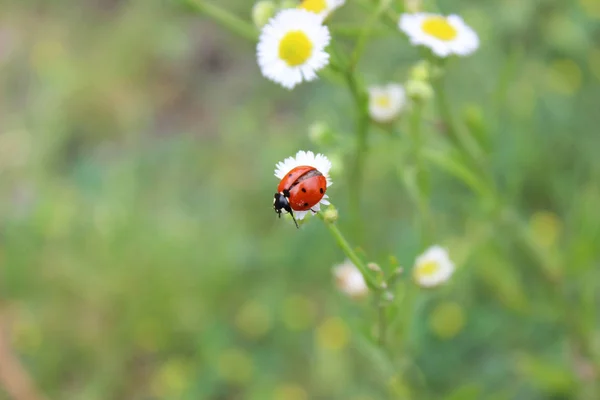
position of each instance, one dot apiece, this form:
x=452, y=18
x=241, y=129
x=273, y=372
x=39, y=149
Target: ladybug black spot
x=321, y=190
x=305, y=204
x=303, y=190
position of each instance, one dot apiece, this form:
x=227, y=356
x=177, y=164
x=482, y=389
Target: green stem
x=225, y=18
x=382, y=320
x=362, y=129
x=390, y=16
x=353, y=30
x=457, y=134
x=350, y=253
x=365, y=33
x=422, y=180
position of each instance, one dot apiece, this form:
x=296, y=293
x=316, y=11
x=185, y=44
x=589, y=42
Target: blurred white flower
x=386, y=102
x=321, y=7
x=291, y=47
x=306, y=158
x=443, y=35
x=433, y=267
x=349, y=280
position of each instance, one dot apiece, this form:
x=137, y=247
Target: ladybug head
x=281, y=203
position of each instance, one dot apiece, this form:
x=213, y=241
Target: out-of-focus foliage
x=140, y=256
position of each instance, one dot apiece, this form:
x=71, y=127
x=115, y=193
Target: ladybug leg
x=313, y=211
x=292, y=214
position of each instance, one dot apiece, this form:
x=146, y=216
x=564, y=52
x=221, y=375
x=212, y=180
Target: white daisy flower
x=443, y=35
x=291, y=47
x=386, y=102
x=433, y=267
x=306, y=158
x=321, y=7
x=349, y=280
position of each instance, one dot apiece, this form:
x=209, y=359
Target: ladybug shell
x=306, y=186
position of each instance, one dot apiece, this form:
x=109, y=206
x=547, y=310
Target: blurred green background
x=141, y=258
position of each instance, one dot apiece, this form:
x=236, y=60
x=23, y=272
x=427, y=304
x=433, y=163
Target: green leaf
x=445, y=161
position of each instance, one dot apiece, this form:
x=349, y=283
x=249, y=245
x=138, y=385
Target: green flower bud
x=262, y=12
x=421, y=71
x=412, y=6
x=283, y=4
x=419, y=90
x=330, y=215
x=320, y=134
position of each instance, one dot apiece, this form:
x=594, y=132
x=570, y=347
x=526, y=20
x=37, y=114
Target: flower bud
x=330, y=215
x=374, y=267
x=262, y=11
x=421, y=71
x=320, y=134
x=419, y=90
x=412, y=6
x=388, y=296
x=283, y=4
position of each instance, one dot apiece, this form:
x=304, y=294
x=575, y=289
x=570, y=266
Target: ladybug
x=300, y=190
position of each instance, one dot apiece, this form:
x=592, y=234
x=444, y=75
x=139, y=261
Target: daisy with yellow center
x=291, y=47
x=321, y=7
x=349, y=280
x=386, y=102
x=443, y=35
x=433, y=267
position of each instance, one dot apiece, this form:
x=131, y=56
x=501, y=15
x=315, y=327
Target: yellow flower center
x=315, y=6
x=439, y=28
x=426, y=269
x=382, y=101
x=295, y=48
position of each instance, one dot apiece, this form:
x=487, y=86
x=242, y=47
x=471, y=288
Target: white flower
x=291, y=47
x=386, y=102
x=306, y=158
x=443, y=35
x=433, y=267
x=349, y=280
x=321, y=7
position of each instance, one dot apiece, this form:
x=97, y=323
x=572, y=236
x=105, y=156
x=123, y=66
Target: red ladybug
x=299, y=190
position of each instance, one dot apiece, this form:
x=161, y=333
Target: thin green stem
x=456, y=133
x=422, y=179
x=225, y=18
x=372, y=282
x=353, y=30
x=361, y=42
x=390, y=16
x=381, y=320
x=361, y=149
x=350, y=253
